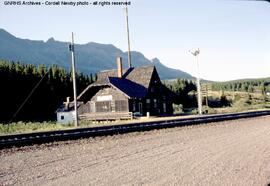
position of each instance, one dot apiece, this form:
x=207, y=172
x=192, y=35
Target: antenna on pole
x=129, y=55
x=71, y=48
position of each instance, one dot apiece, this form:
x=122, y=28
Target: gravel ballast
x=225, y=153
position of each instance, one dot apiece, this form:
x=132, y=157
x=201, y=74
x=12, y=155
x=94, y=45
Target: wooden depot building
x=122, y=94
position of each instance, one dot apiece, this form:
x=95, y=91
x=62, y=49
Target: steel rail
x=7, y=141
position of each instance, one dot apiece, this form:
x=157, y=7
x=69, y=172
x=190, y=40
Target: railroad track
x=72, y=134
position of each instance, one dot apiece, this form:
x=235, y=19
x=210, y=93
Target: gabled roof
x=134, y=82
x=139, y=75
x=68, y=107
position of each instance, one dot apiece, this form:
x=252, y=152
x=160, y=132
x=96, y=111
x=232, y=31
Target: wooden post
x=129, y=55
x=74, y=80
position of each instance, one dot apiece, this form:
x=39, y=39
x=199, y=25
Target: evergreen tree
x=17, y=81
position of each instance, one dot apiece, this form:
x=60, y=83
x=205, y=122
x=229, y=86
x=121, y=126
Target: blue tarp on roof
x=128, y=87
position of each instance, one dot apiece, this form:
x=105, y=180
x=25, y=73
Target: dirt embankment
x=228, y=153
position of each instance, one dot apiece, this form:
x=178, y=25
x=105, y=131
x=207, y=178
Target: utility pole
x=129, y=55
x=71, y=48
x=195, y=54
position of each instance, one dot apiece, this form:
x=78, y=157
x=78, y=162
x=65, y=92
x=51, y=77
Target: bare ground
x=225, y=153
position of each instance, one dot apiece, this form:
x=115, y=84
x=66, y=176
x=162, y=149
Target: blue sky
x=234, y=36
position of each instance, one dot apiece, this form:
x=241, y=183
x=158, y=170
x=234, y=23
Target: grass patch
x=24, y=127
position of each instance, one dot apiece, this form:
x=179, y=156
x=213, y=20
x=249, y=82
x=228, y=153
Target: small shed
x=65, y=117
x=65, y=113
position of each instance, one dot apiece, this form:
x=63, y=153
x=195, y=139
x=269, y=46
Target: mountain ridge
x=91, y=57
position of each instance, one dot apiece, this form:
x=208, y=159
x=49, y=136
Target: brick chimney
x=119, y=67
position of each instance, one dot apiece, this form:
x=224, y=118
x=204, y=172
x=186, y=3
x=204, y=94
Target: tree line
x=184, y=90
x=17, y=80
x=246, y=85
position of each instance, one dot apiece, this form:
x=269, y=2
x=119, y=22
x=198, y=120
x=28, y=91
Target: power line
x=27, y=98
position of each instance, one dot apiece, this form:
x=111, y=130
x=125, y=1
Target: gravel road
x=225, y=153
